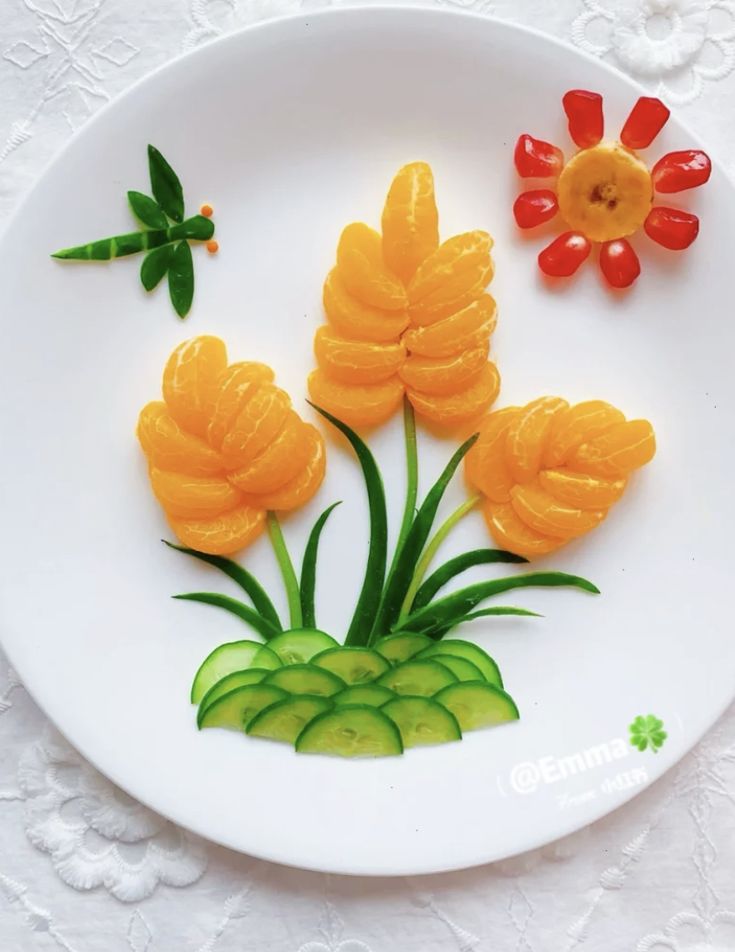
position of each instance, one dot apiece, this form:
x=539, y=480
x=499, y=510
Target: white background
x=82, y=868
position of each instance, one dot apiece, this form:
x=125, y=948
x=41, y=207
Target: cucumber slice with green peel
x=470, y=651
x=374, y=695
x=420, y=678
x=464, y=669
x=354, y=665
x=478, y=705
x=306, y=679
x=285, y=720
x=354, y=731
x=402, y=646
x=237, y=708
x=238, y=679
x=233, y=656
x=299, y=645
x=422, y=720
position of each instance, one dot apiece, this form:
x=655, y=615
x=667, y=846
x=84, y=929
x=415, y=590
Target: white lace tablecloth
x=85, y=869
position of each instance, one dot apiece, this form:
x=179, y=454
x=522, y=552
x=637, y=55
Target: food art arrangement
x=407, y=329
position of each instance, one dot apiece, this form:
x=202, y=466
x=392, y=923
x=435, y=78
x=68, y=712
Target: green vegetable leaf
x=181, y=279
x=147, y=211
x=243, y=611
x=165, y=185
x=247, y=582
x=308, y=568
x=155, y=265
x=362, y=621
x=455, y=567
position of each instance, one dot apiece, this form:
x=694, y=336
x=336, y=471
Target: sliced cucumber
x=421, y=720
x=299, y=645
x=234, y=656
x=470, y=651
x=464, y=669
x=420, y=678
x=237, y=679
x=401, y=647
x=306, y=679
x=374, y=695
x=356, y=731
x=237, y=708
x=478, y=705
x=353, y=665
x=285, y=720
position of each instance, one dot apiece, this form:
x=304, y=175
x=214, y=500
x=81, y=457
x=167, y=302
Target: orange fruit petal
x=580, y=490
x=485, y=466
x=357, y=321
x=223, y=534
x=189, y=379
x=527, y=437
x=444, y=375
x=193, y=497
x=356, y=404
x=576, y=425
x=410, y=220
x=468, y=328
x=462, y=406
x=356, y=361
x=512, y=534
x=304, y=485
x=235, y=386
x=616, y=452
x=542, y=513
x=363, y=271
x=451, y=278
x=256, y=426
x=279, y=462
x=168, y=447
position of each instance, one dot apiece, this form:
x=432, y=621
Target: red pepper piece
x=535, y=158
x=619, y=263
x=647, y=118
x=671, y=227
x=584, y=112
x=535, y=207
x=564, y=255
x=677, y=171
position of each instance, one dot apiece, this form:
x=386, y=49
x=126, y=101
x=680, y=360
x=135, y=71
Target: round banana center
x=605, y=192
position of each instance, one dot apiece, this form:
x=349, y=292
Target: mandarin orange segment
x=485, y=466
x=357, y=321
x=356, y=361
x=168, y=447
x=363, y=271
x=223, y=534
x=463, y=406
x=410, y=220
x=512, y=534
x=451, y=278
x=193, y=497
x=256, y=425
x=576, y=425
x=542, y=513
x=444, y=375
x=234, y=388
x=580, y=490
x=356, y=404
x=303, y=486
x=616, y=452
x=189, y=379
x=278, y=463
x=527, y=437
x=468, y=328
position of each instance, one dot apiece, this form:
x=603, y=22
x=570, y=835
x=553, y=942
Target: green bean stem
x=412, y=476
x=196, y=228
x=290, y=581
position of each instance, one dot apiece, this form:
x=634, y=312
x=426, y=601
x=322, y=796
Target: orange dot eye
x=213, y=247
x=206, y=210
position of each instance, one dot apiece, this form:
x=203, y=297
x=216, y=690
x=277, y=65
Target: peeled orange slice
x=467, y=329
x=580, y=490
x=363, y=271
x=257, y=424
x=189, y=379
x=485, y=466
x=444, y=375
x=235, y=386
x=349, y=361
x=616, y=452
x=168, y=447
x=542, y=513
x=302, y=487
x=410, y=220
x=221, y=535
x=279, y=462
x=577, y=424
x=451, y=278
x=193, y=497
x=462, y=406
x=528, y=435
x=514, y=535
x=357, y=321
x=356, y=404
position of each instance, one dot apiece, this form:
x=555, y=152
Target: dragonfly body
x=197, y=228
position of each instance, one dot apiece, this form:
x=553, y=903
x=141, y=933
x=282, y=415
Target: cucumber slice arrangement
x=233, y=656
x=238, y=679
x=422, y=720
x=306, y=679
x=374, y=695
x=419, y=678
x=354, y=731
x=237, y=708
x=469, y=651
x=478, y=705
x=284, y=720
x=353, y=665
x=299, y=645
x=464, y=670
x=402, y=646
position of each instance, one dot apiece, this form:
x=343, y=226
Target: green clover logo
x=647, y=731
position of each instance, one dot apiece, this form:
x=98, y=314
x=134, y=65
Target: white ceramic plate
x=290, y=130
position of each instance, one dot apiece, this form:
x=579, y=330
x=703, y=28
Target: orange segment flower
x=407, y=315
x=605, y=192
x=549, y=472
x=224, y=447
